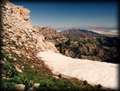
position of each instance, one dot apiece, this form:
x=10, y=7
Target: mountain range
x=81, y=43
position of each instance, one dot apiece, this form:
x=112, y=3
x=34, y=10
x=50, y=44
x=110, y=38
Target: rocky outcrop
x=51, y=34
x=19, y=36
x=89, y=45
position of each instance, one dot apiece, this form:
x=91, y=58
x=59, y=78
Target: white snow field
x=94, y=72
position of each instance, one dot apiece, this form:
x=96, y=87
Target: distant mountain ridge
x=94, y=31
x=80, y=33
x=107, y=31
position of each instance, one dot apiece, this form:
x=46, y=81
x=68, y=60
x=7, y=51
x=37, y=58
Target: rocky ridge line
x=19, y=36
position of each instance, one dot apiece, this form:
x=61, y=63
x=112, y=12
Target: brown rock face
x=19, y=36
x=51, y=34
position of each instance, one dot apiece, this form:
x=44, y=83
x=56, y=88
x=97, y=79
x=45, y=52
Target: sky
x=66, y=15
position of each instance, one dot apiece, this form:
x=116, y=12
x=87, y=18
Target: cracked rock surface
x=19, y=36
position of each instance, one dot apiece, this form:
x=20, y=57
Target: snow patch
x=94, y=72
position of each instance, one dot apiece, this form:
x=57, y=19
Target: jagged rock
x=51, y=34
x=19, y=36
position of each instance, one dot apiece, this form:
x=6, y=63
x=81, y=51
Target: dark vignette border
x=60, y=1
x=1, y=43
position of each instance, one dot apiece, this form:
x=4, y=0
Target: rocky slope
x=51, y=34
x=19, y=36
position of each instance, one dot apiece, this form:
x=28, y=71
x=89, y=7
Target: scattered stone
x=22, y=67
x=14, y=59
x=20, y=87
x=56, y=77
x=6, y=78
x=18, y=69
x=32, y=66
x=36, y=85
x=31, y=89
x=2, y=62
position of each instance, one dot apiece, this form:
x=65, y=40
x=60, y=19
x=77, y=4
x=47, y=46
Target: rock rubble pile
x=19, y=36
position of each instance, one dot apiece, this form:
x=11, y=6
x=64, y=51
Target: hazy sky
x=72, y=14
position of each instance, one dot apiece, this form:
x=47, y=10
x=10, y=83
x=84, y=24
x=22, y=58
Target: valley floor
x=94, y=72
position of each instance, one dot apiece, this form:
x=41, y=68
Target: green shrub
x=7, y=85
